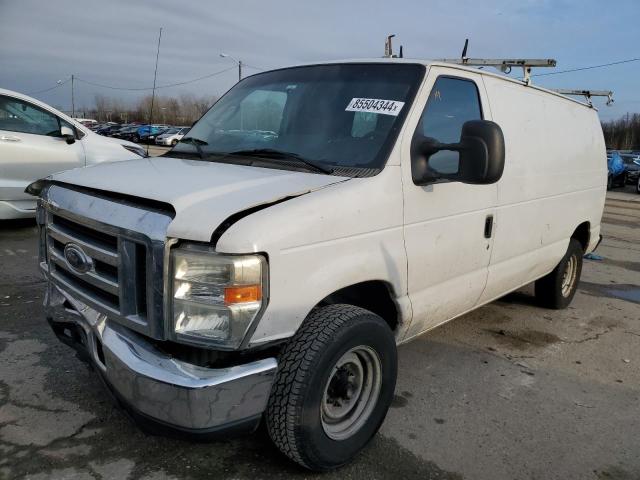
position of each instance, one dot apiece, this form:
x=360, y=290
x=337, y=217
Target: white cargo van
x=312, y=220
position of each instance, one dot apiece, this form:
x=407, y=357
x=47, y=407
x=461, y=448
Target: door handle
x=9, y=138
x=488, y=226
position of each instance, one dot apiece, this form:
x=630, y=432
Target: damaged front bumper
x=154, y=386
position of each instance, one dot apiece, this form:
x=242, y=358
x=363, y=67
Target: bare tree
x=624, y=133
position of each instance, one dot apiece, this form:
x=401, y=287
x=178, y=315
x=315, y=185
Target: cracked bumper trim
x=174, y=393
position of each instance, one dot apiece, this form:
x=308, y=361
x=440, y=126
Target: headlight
x=137, y=150
x=215, y=297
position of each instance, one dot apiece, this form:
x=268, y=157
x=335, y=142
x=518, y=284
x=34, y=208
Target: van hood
x=203, y=194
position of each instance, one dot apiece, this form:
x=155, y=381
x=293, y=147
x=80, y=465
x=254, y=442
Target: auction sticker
x=375, y=105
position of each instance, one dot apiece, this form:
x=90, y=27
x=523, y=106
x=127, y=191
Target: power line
x=587, y=68
x=138, y=89
x=51, y=88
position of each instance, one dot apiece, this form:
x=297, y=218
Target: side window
x=452, y=102
x=20, y=116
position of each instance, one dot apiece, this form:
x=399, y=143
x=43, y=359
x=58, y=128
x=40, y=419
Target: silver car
x=171, y=136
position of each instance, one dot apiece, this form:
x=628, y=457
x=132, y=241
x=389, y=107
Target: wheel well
x=375, y=296
x=582, y=234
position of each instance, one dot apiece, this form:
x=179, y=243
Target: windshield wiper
x=277, y=154
x=196, y=142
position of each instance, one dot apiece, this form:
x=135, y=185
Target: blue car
x=148, y=133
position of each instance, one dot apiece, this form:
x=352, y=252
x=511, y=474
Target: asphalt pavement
x=509, y=391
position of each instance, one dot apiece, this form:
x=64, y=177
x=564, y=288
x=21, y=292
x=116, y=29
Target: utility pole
x=73, y=103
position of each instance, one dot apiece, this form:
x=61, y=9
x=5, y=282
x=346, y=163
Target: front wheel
x=334, y=385
x=556, y=289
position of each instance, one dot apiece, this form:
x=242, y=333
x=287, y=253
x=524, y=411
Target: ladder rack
x=505, y=64
x=586, y=94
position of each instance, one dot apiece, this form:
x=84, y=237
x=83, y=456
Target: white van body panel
x=554, y=180
x=202, y=194
x=339, y=236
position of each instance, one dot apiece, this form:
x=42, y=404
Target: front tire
x=556, y=289
x=335, y=382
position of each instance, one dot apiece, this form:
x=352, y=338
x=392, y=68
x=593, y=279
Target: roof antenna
x=464, y=50
x=401, y=54
x=388, y=48
x=153, y=93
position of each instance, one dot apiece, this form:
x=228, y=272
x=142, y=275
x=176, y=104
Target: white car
x=172, y=136
x=37, y=140
x=313, y=219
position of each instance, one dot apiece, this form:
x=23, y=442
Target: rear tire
x=335, y=382
x=638, y=186
x=609, y=182
x=556, y=290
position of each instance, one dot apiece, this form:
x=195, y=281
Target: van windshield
x=343, y=118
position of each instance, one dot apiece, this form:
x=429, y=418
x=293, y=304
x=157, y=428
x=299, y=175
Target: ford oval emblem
x=77, y=260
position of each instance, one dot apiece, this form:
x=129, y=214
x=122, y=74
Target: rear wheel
x=334, y=385
x=609, y=182
x=638, y=186
x=556, y=290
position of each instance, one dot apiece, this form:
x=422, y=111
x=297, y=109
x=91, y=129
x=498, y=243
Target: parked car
x=87, y=122
x=107, y=130
x=37, y=140
x=144, y=131
x=270, y=264
x=148, y=134
x=127, y=133
x=632, y=168
x=171, y=136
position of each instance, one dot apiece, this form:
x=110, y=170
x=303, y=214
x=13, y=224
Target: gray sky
x=113, y=42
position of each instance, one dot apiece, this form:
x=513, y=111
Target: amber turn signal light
x=243, y=294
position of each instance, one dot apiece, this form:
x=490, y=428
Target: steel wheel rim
x=569, y=276
x=351, y=392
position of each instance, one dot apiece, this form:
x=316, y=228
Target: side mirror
x=68, y=135
x=480, y=156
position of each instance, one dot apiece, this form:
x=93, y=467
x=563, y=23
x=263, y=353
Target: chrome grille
x=100, y=284
x=124, y=245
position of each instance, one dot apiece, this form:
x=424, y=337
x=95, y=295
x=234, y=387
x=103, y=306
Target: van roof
x=429, y=63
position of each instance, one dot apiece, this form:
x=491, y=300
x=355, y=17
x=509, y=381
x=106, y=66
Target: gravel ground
x=510, y=391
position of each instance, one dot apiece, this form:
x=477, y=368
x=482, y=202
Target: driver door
x=448, y=225
x=31, y=148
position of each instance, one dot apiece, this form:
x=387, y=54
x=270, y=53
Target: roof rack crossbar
x=587, y=94
x=505, y=64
